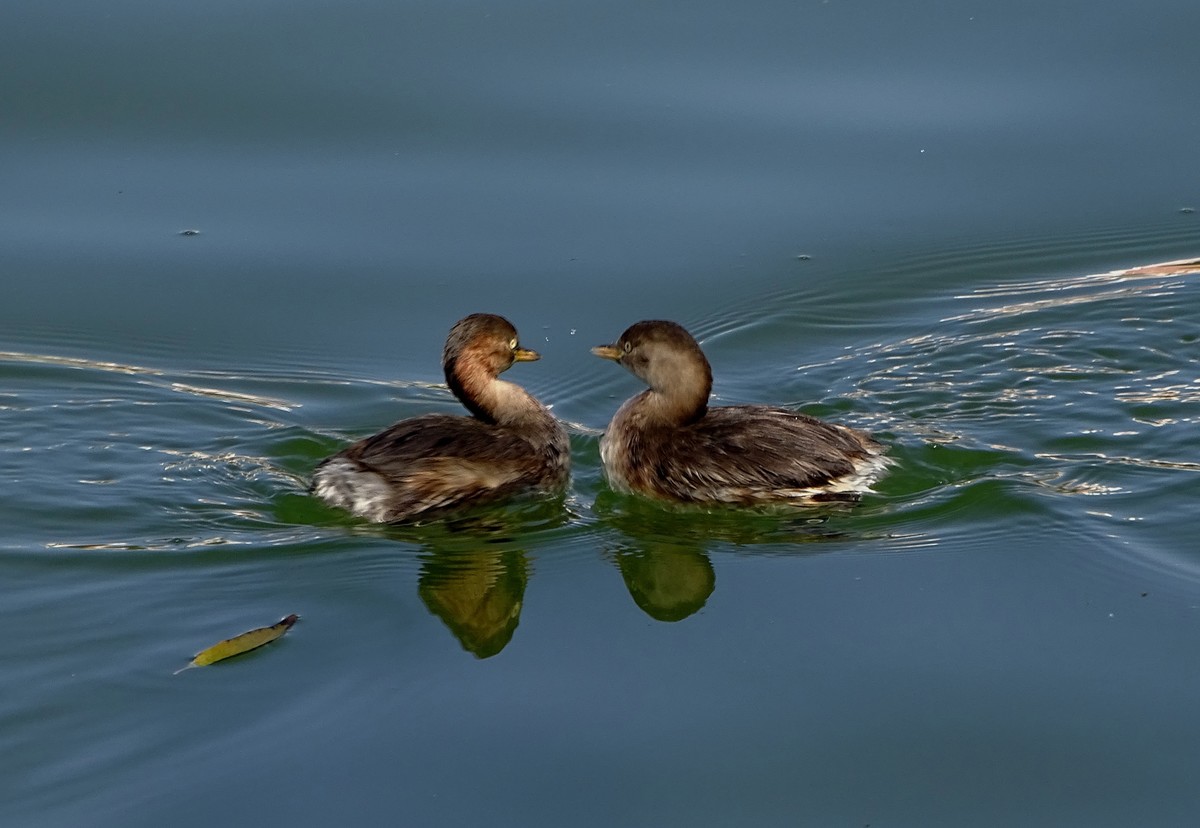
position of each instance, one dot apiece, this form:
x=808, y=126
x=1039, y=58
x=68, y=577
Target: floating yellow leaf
x=239, y=644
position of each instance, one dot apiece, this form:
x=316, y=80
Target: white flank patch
x=346, y=486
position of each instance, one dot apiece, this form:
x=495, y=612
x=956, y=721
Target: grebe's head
x=482, y=344
x=664, y=356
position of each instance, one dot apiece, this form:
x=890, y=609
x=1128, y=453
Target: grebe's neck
x=679, y=388
x=490, y=398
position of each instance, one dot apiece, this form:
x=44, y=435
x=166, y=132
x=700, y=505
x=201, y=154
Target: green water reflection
x=477, y=595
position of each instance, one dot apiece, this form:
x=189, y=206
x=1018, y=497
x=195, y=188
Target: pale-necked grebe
x=667, y=443
x=427, y=464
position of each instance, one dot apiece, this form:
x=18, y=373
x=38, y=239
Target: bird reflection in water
x=477, y=594
x=474, y=567
x=474, y=570
x=669, y=583
x=664, y=558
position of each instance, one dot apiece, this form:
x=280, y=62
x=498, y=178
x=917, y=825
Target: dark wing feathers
x=434, y=435
x=759, y=449
x=436, y=461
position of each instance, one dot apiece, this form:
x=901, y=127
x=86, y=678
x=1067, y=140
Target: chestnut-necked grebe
x=427, y=464
x=667, y=443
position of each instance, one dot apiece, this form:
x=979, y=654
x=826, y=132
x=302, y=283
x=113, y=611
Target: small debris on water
x=189, y=232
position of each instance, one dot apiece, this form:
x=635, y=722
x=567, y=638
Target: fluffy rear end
x=345, y=484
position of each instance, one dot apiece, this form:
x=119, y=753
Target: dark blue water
x=915, y=219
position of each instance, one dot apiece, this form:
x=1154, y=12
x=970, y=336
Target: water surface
x=917, y=220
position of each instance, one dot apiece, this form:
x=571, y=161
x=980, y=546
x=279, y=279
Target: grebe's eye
x=628, y=347
x=512, y=346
